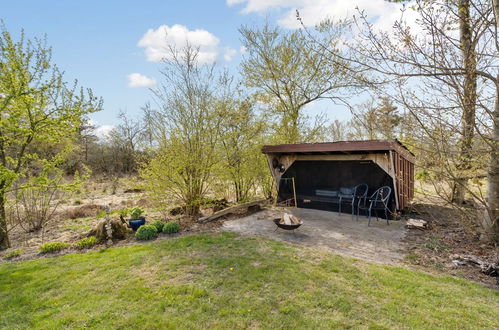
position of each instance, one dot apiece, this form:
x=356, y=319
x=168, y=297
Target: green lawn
x=226, y=281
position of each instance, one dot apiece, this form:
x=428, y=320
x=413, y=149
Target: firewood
x=490, y=269
x=286, y=219
x=416, y=224
x=295, y=220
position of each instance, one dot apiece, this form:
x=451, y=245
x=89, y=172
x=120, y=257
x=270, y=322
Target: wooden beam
x=231, y=209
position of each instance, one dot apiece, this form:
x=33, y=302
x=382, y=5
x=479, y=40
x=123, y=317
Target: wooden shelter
x=333, y=165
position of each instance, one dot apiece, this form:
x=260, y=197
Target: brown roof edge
x=341, y=146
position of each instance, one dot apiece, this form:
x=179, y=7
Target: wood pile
x=289, y=219
x=416, y=224
x=491, y=269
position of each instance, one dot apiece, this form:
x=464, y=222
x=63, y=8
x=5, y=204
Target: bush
x=146, y=232
x=13, y=254
x=159, y=225
x=86, y=243
x=53, y=247
x=171, y=227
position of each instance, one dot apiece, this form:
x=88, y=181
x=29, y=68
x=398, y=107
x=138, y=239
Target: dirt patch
x=379, y=243
x=449, y=235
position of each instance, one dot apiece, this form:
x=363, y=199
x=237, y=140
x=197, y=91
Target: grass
x=226, y=281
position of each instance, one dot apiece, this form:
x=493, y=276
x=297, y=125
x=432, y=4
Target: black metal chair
x=377, y=201
x=350, y=195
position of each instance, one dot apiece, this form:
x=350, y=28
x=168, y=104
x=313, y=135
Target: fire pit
x=286, y=227
x=288, y=222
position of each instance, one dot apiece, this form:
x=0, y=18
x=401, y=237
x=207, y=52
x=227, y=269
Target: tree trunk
x=4, y=237
x=464, y=163
x=490, y=221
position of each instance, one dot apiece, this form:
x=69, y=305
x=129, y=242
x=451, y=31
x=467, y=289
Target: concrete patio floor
x=379, y=243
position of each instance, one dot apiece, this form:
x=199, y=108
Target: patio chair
x=377, y=201
x=350, y=195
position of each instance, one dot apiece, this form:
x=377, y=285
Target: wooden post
x=294, y=191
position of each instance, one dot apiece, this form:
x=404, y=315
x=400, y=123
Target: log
x=231, y=209
x=416, y=224
x=490, y=269
x=286, y=219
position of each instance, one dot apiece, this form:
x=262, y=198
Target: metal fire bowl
x=286, y=227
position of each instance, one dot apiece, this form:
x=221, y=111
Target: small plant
x=159, y=225
x=171, y=227
x=146, y=232
x=77, y=202
x=86, y=243
x=136, y=212
x=101, y=214
x=436, y=245
x=13, y=254
x=53, y=247
x=123, y=212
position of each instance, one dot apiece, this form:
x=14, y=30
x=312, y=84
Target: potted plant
x=136, y=218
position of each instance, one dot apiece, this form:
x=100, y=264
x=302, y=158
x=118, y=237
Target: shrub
x=171, y=227
x=146, y=232
x=136, y=212
x=86, y=243
x=13, y=254
x=159, y=225
x=53, y=247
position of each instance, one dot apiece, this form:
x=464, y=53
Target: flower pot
x=136, y=223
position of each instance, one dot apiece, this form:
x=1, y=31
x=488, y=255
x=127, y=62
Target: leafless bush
x=35, y=206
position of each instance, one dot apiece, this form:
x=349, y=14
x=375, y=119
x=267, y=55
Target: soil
x=450, y=234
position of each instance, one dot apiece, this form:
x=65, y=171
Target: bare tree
x=124, y=141
x=188, y=125
x=289, y=70
x=446, y=77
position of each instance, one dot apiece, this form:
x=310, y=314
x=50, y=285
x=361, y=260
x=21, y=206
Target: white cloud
x=156, y=42
x=256, y=6
x=243, y=49
x=312, y=12
x=102, y=131
x=229, y=53
x=137, y=80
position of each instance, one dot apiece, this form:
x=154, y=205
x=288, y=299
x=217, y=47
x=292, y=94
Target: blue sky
x=97, y=42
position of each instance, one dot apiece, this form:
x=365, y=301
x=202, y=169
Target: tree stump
x=109, y=229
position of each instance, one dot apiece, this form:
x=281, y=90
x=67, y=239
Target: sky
x=116, y=47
